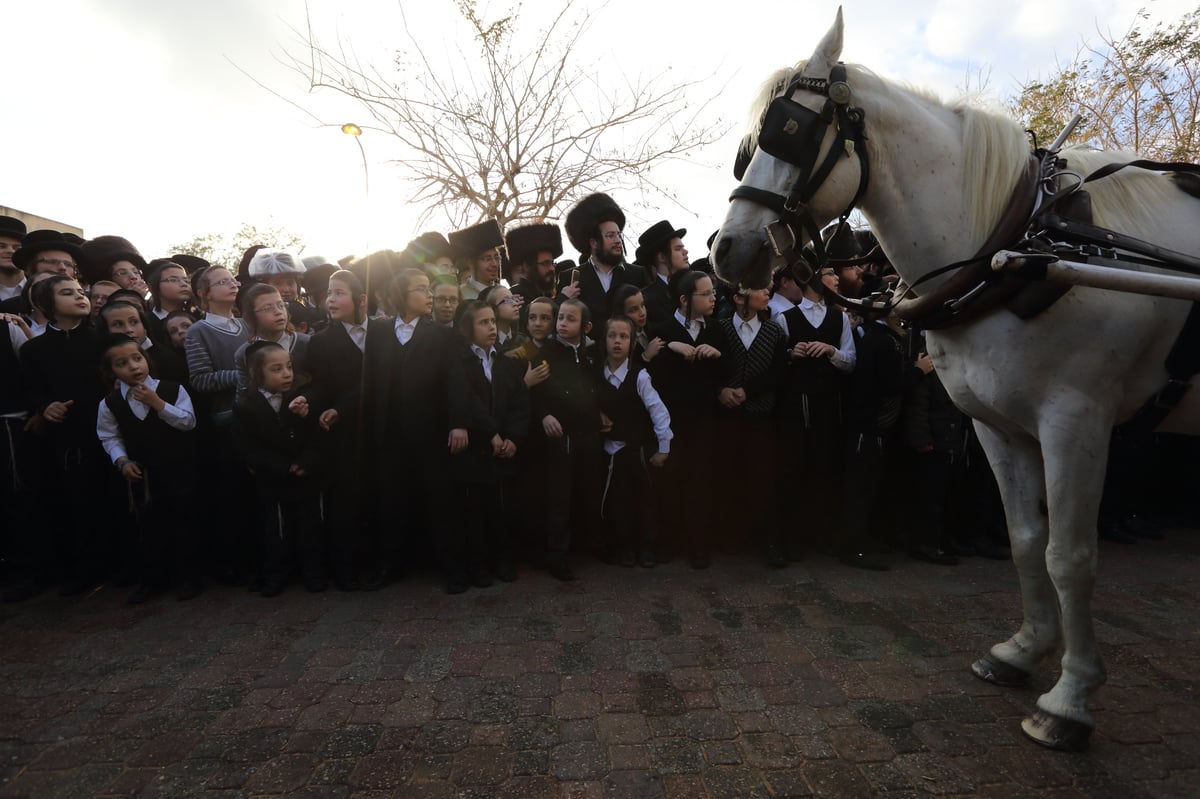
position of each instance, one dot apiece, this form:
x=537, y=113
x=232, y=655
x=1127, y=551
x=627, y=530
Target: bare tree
x=1139, y=91
x=515, y=129
x=224, y=249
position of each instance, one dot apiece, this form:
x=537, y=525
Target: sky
x=163, y=120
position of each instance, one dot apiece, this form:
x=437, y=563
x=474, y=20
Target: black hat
x=71, y=237
x=430, y=246
x=658, y=235
x=470, y=242
x=39, y=241
x=100, y=253
x=190, y=263
x=585, y=215
x=840, y=242
x=525, y=242
x=316, y=278
x=11, y=227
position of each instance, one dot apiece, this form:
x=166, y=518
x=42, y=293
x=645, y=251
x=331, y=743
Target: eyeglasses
x=57, y=262
x=446, y=300
x=488, y=259
x=127, y=273
x=421, y=290
x=709, y=293
x=275, y=306
x=226, y=282
x=510, y=301
x=546, y=263
x=173, y=280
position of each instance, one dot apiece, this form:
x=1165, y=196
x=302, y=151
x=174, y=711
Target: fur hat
x=316, y=278
x=11, y=227
x=585, y=215
x=274, y=262
x=40, y=241
x=100, y=253
x=430, y=246
x=657, y=236
x=470, y=242
x=525, y=242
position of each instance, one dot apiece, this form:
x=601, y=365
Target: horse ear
x=828, y=52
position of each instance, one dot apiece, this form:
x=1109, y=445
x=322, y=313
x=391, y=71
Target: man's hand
x=551, y=427
x=57, y=411
x=328, y=419
x=458, y=440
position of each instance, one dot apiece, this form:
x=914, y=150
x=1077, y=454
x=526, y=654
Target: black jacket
x=499, y=407
x=271, y=442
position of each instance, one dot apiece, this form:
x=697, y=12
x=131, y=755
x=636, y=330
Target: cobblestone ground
x=733, y=682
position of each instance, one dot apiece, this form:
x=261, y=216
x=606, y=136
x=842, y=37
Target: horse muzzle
x=742, y=258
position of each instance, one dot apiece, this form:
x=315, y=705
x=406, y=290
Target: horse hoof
x=1053, y=732
x=997, y=672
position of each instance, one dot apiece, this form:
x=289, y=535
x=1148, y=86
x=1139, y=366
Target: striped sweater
x=757, y=370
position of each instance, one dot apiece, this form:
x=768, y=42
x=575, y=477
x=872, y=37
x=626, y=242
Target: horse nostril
x=722, y=248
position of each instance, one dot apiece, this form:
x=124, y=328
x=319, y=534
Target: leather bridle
x=793, y=133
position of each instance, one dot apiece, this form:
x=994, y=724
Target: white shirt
x=779, y=305
x=357, y=334
x=746, y=329
x=405, y=330
x=472, y=289
x=179, y=415
x=160, y=313
x=844, y=358
x=605, y=277
x=485, y=358
x=660, y=417
x=274, y=400
x=693, y=327
x=8, y=292
x=225, y=323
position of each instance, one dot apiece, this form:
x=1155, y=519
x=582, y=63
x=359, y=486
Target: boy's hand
x=296, y=469
x=707, y=351
x=551, y=427
x=131, y=472
x=658, y=459
x=458, y=440
x=652, y=349
x=606, y=424
x=536, y=374
x=497, y=445
x=686, y=350
x=328, y=419
x=57, y=411
x=508, y=449
x=299, y=406
x=146, y=395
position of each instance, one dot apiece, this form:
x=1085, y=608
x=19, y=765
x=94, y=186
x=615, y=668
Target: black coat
x=570, y=394
x=415, y=394
x=499, y=407
x=271, y=442
x=336, y=367
x=689, y=388
x=660, y=305
x=592, y=292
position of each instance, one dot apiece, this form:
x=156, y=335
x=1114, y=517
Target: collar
x=150, y=382
x=481, y=354
x=621, y=373
x=754, y=322
x=226, y=323
x=806, y=303
x=681, y=319
x=475, y=284
x=401, y=323
x=269, y=394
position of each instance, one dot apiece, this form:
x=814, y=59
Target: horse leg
x=1017, y=464
x=1075, y=463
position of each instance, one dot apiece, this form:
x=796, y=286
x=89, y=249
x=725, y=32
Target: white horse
x=1044, y=393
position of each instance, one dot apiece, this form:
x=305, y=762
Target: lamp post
x=351, y=129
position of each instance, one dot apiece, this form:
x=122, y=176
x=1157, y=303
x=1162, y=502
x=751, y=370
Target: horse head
x=795, y=166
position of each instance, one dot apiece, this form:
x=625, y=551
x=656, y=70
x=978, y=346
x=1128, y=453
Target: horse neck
x=916, y=202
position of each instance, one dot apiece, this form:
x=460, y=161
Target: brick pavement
x=734, y=682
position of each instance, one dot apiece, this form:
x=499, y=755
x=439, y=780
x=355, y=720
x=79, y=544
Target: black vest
x=631, y=420
x=165, y=454
x=814, y=375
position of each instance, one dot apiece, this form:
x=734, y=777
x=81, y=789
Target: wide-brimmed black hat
x=840, y=242
x=470, y=242
x=39, y=241
x=190, y=263
x=11, y=227
x=430, y=246
x=585, y=215
x=526, y=241
x=658, y=234
x=100, y=253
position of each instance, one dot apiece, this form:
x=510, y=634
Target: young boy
x=568, y=408
x=633, y=414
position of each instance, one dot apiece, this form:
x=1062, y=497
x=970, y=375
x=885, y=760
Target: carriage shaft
x=1113, y=278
